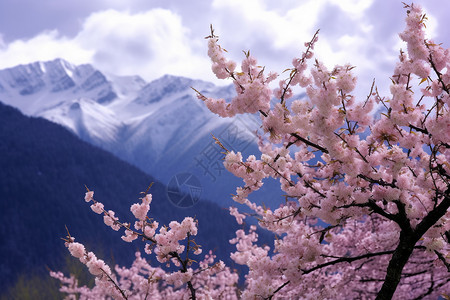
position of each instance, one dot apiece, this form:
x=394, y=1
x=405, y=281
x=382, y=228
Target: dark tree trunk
x=398, y=261
x=408, y=239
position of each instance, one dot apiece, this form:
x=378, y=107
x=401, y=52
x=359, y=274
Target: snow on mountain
x=127, y=86
x=160, y=127
x=35, y=87
x=167, y=86
x=90, y=120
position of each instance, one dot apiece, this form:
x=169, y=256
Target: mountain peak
x=167, y=85
x=27, y=79
x=56, y=76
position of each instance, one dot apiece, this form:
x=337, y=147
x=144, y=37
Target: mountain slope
x=43, y=170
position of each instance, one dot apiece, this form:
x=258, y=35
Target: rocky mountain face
x=160, y=127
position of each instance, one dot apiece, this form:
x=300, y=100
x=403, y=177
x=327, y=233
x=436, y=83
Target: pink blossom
x=129, y=236
x=140, y=210
x=239, y=217
x=77, y=250
x=89, y=196
x=97, y=207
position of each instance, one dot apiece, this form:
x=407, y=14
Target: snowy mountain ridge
x=160, y=127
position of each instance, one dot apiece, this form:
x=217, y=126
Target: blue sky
x=151, y=38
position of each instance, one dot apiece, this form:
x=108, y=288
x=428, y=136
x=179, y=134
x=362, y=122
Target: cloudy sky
x=151, y=38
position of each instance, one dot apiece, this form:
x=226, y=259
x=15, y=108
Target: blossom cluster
x=251, y=85
x=208, y=279
x=97, y=267
x=142, y=280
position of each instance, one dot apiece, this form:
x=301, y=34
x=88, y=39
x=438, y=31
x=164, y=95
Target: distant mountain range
x=43, y=170
x=160, y=127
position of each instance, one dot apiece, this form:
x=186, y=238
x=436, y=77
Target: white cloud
x=245, y=23
x=355, y=8
x=150, y=44
x=46, y=46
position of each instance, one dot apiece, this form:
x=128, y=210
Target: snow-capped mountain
x=160, y=127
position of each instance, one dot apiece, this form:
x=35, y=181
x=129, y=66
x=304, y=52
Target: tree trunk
x=408, y=239
x=398, y=261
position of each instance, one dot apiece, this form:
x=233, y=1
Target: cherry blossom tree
x=380, y=182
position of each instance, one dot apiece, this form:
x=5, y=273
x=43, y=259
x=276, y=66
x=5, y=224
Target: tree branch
x=378, y=181
x=299, y=138
x=278, y=289
x=346, y=259
x=434, y=215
